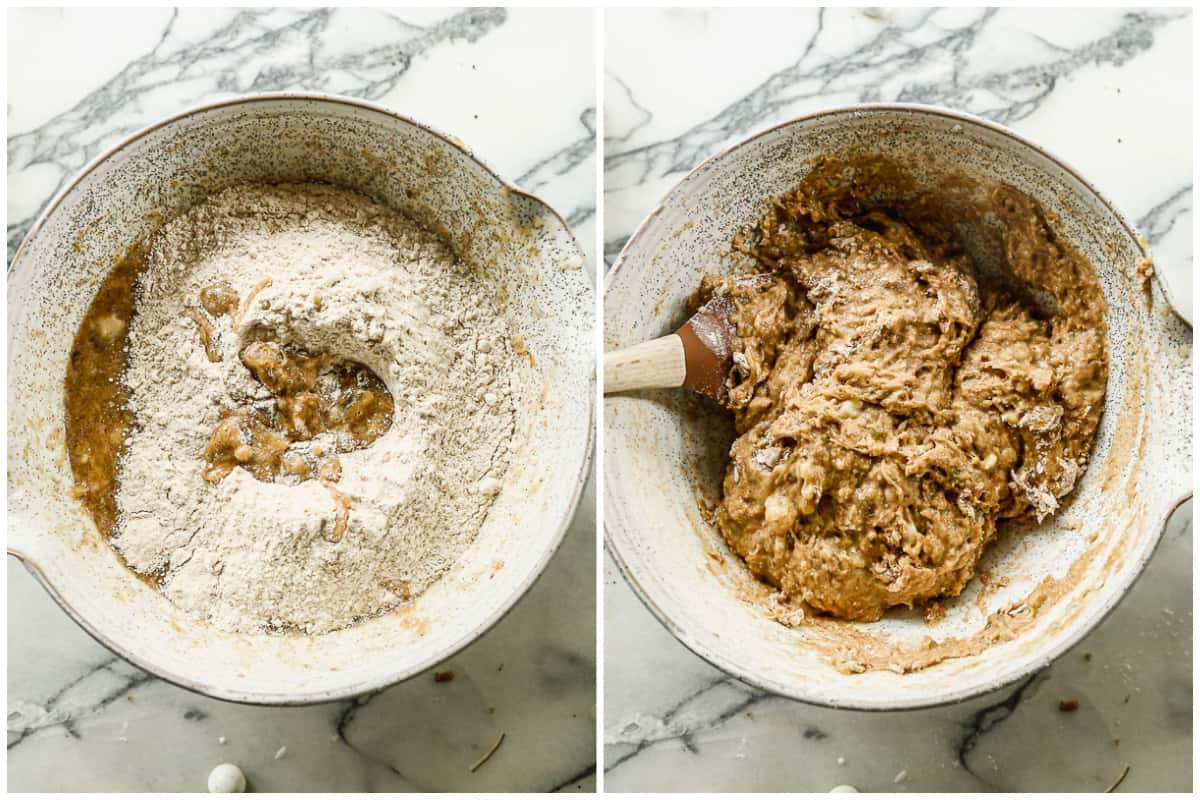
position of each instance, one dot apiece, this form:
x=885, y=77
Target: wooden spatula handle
x=656, y=364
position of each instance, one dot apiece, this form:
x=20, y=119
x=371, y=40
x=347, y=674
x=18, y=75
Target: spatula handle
x=656, y=364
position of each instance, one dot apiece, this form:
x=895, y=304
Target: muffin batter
x=892, y=405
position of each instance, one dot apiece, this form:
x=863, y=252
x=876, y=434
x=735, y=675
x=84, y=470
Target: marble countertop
x=480, y=74
x=1111, y=91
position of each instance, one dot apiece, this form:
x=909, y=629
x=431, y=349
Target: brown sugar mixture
x=97, y=414
x=312, y=396
x=892, y=404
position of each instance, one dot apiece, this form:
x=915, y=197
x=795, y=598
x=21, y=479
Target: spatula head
x=708, y=348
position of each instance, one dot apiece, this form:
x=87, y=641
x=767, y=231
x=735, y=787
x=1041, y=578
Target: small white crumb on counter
x=844, y=788
x=900, y=776
x=221, y=740
x=226, y=779
x=281, y=752
x=841, y=761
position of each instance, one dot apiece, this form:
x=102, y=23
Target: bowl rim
x=919, y=108
x=565, y=519
x=1002, y=679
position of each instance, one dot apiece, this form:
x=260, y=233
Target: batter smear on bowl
x=892, y=403
x=290, y=409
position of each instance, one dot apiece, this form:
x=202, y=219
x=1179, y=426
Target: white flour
x=355, y=280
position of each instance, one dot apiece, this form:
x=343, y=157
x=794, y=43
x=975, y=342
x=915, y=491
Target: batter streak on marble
x=69, y=700
x=1110, y=91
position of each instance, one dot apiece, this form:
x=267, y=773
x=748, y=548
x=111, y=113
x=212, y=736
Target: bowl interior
x=511, y=238
x=665, y=452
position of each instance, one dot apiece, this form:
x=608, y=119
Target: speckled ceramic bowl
x=665, y=452
x=490, y=223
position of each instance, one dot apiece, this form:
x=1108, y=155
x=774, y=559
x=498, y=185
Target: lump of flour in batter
x=891, y=405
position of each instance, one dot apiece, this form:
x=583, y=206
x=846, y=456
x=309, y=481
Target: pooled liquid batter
x=892, y=406
x=312, y=395
x=97, y=415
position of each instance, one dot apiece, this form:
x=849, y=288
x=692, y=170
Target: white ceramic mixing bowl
x=491, y=224
x=665, y=452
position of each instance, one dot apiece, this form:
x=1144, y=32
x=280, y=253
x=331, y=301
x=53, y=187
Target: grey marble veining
x=1108, y=90
x=80, y=718
x=1005, y=65
x=204, y=55
x=672, y=722
x=920, y=57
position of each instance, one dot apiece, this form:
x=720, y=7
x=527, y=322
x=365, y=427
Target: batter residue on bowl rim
x=290, y=408
x=893, y=405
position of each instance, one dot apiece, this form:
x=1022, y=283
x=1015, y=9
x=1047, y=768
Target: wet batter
x=891, y=405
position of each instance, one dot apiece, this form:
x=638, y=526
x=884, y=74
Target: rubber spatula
x=698, y=356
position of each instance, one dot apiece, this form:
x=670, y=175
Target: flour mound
x=358, y=281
